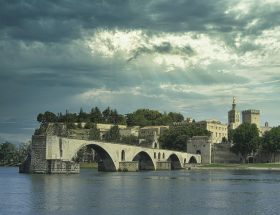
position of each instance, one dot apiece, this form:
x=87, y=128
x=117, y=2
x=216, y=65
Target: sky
x=187, y=56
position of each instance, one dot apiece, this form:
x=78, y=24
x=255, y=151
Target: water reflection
x=152, y=192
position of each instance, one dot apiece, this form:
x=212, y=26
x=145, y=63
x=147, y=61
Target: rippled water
x=163, y=192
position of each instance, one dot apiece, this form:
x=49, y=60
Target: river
x=202, y=192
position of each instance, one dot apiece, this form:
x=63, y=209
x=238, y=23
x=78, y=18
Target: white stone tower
x=233, y=116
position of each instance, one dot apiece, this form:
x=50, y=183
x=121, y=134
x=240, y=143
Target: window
x=123, y=155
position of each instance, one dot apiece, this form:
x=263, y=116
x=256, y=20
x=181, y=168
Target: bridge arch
x=106, y=164
x=145, y=161
x=175, y=162
x=192, y=160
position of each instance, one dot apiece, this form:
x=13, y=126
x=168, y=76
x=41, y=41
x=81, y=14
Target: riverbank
x=221, y=166
x=9, y=165
x=247, y=166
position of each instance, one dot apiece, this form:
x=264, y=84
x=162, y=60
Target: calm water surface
x=164, y=192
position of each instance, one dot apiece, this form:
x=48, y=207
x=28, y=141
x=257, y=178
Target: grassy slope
x=242, y=166
x=89, y=165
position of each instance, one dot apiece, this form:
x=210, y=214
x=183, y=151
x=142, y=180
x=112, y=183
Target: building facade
x=211, y=153
x=216, y=128
x=251, y=117
x=148, y=135
x=130, y=131
x=264, y=129
x=200, y=145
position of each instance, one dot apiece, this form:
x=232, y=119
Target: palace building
x=233, y=116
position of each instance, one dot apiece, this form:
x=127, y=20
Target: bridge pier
x=163, y=165
x=54, y=154
x=128, y=166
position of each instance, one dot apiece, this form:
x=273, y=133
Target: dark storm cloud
x=45, y=61
x=163, y=48
x=51, y=21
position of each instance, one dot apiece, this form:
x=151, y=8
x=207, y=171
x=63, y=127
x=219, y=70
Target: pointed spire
x=233, y=103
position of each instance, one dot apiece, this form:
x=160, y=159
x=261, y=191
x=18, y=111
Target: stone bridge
x=53, y=154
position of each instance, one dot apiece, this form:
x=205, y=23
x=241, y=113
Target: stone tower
x=251, y=116
x=233, y=116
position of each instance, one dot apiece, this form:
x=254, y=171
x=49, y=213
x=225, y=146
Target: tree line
x=246, y=140
x=140, y=117
x=12, y=154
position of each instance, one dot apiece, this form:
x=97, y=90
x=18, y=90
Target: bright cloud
x=172, y=50
x=187, y=56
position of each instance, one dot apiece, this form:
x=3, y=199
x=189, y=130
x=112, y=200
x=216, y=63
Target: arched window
x=185, y=160
x=159, y=155
x=155, y=145
x=123, y=155
x=155, y=155
x=163, y=155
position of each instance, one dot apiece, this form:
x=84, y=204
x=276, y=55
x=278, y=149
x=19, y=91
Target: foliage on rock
x=246, y=140
x=176, y=137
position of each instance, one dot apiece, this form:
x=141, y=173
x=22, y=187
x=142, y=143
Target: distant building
x=217, y=129
x=185, y=122
x=106, y=127
x=211, y=153
x=148, y=135
x=233, y=116
x=264, y=129
x=200, y=145
x=251, y=117
x=130, y=131
x=148, y=131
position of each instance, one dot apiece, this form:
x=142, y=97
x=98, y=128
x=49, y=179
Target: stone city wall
x=221, y=154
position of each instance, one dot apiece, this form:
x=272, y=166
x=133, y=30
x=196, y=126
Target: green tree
x=246, y=140
x=230, y=134
x=89, y=125
x=23, y=150
x=113, y=135
x=40, y=117
x=176, y=117
x=131, y=140
x=95, y=115
x=107, y=114
x=94, y=133
x=146, y=117
x=83, y=116
x=71, y=125
x=50, y=116
x=176, y=137
x=271, y=141
x=46, y=117
x=8, y=153
x=143, y=117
